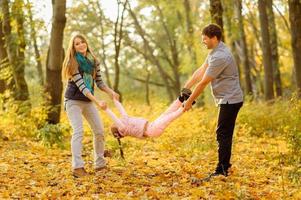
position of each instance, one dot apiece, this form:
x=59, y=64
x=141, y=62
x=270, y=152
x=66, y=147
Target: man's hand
x=102, y=105
x=187, y=105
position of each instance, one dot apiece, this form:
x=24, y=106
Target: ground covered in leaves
x=160, y=168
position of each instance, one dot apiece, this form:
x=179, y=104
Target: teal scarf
x=86, y=65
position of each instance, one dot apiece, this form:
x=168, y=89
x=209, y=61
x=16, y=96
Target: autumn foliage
x=266, y=157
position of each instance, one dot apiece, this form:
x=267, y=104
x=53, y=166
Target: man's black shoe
x=218, y=173
x=214, y=174
x=181, y=98
x=185, y=94
x=184, y=98
x=198, y=182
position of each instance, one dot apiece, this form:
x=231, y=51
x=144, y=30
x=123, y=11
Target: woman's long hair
x=70, y=64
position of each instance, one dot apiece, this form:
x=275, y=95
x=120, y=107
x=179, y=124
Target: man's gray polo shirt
x=225, y=85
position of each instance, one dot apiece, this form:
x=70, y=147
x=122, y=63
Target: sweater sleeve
x=99, y=82
x=79, y=82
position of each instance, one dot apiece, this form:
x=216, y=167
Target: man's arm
x=196, y=77
x=197, y=91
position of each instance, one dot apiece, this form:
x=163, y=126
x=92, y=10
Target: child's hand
x=102, y=105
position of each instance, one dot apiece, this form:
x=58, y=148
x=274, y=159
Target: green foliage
x=17, y=118
x=294, y=138
x=52, y=134
x=28, y=119
x=280, y=119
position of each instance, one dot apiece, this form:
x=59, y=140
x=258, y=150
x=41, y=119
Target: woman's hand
x=111, y=92
x=102, y=105
x=115, y=95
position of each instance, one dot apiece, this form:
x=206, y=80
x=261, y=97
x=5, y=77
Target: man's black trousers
x=224, y=134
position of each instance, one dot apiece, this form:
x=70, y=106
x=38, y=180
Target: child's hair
x=70, y=64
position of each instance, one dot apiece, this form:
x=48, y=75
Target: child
x=140, y=127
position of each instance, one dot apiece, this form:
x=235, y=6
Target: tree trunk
x=191, y=40
x=285, y=21
x=252, y=20
x=18, y=6
x=257, y=87
x=175, y=63
x=190, y=31
x=266, y=48
x=231, y=28
x=216, y=11
x=118, y=35
x=258, y=68
x=54, y=60
x=295, y=21
x=13, y=48
x=3, y=59
x=243, y=45
x=147, y=99
x=274, y=48
x=2, y=86
x=237, y=53
x=36, y=49
x=104, y=58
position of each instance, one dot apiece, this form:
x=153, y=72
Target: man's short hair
x=212, y=30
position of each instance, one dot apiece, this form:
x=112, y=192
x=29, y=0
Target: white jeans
x=75, y=109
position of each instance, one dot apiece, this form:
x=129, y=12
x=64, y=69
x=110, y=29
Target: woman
x=81, y=69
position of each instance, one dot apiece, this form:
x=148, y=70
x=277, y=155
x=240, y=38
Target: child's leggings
x=156, y=127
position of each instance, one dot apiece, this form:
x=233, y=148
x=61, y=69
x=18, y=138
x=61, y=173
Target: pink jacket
x=133, y=126
x=137, y=127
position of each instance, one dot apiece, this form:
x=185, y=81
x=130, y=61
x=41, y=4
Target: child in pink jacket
x=140, y=127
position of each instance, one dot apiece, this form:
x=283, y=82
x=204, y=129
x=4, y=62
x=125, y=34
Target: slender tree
x=147, y=98
x=243, y=44
x=216, y=11
x=295, y=22
x=274, y=48
x=190, y=31
x=118, y=36
x=190, y=23
x=103, y=45
x=15, y=46
x=266, y=48
x=3, y=58
x=150, y=54
x=33, y=37
x=232, y=33
x=173, y=47
x=55, y=59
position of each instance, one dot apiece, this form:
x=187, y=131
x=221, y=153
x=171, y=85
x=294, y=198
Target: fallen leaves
x=161, y=168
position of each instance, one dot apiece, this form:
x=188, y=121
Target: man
x=221, y=71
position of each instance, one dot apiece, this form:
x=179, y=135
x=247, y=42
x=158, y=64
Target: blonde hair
x=70, y=64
